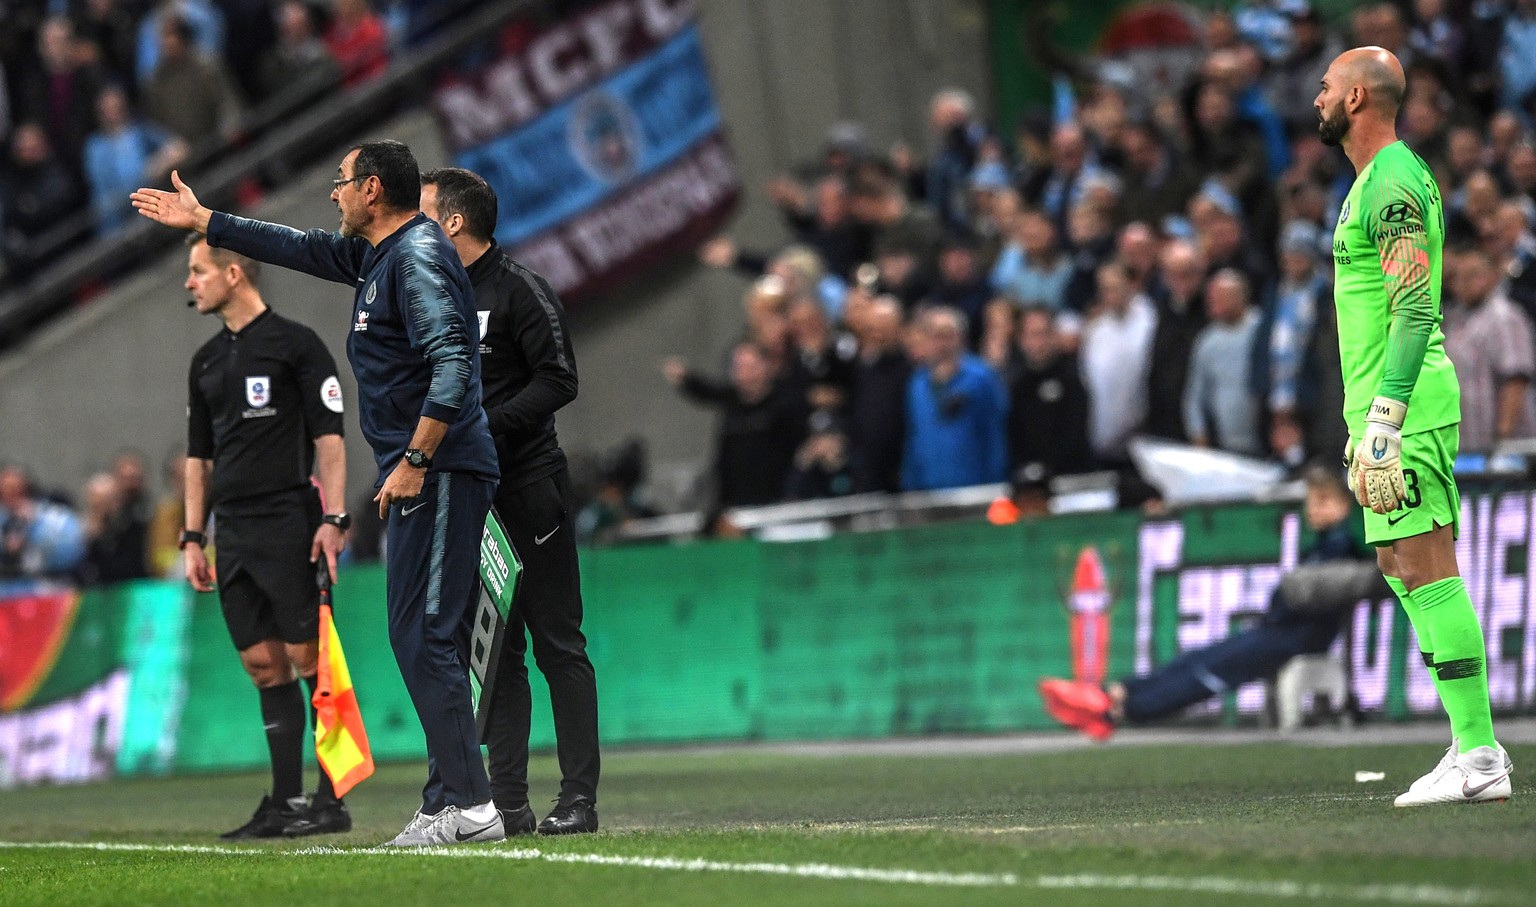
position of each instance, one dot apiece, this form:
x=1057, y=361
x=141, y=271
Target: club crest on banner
x=258, y=390
x=605, y=136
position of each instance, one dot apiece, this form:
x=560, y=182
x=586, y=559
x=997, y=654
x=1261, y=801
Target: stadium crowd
x=1140, y=260
x=110, y=532
x=99, y=97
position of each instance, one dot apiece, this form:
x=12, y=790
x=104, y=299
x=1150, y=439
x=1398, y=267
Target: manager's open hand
x=179, y=209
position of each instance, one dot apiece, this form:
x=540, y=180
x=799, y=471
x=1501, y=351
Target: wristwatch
x=190, y=537
x=342, y=521
x=418, y=459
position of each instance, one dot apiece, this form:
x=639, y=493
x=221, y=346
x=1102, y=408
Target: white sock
x=480, y=812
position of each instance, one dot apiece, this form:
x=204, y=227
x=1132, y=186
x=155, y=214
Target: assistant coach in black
x=264, y=410
x=528, y=371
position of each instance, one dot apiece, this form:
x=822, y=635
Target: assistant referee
x=529, y=371
x=263, y=410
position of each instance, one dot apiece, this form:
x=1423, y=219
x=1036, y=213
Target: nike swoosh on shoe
x=1470, y=792
x=461, y=836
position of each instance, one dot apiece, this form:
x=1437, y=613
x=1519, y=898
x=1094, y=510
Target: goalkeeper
x=1403, y=407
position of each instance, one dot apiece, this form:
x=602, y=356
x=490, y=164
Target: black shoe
x=575, y=816
x=520, y=821
x=328, y=818
x=271, y=817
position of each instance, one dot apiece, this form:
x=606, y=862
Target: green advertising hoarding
x=938, y=629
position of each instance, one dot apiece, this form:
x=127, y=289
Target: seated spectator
x=1302, y=295
x=905, y=269
x=124, y=154
x=1116, y=354
x=358, y=41
x=1435, y=35
x=1468, y=209
x=38, y=538
x=1225, y=147
x=1508, y=241
x=767, y=308
x=1490, y=341
x=188, y=93
x=821, y=466
x=877, y=399
x=37, y=193
x=1306, y=612
x=761, y=427
x=206, y=30
x=1033, y=269
x=116, y=541
x=1178, y=295
x=130, y=469
x=957, y=135
x=956, y=406
x=1465, y=154
x=1291, y=83
x=1220, y=410
x=169, y=517
x=60, y=94
x=616, y=502
x=1156, y=181
x=962, y=282
x=109, y=26
x=1062, y=185
x=820, y=367
x=1091, y=235
x=1136, y=249
x=1517, y=57
x=298, y=66
x=1047, y=405
x=1217, y=217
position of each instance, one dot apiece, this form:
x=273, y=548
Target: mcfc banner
x=601, y=137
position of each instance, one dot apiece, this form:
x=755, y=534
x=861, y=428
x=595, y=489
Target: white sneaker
x=411, y=835
x=1445, y=762
x=1476, y=776
x=455, y=826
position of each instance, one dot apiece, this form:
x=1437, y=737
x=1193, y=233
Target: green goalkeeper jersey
x=1386, y=264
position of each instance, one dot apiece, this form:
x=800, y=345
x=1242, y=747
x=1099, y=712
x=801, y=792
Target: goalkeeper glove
x=1378, y=472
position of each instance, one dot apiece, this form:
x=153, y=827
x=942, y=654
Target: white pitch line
x=1278, y=888
x=801, y=870
x=1217, y=885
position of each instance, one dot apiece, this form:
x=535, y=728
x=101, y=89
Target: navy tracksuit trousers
x=433, y=564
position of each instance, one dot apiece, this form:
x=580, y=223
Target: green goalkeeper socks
x=1420, y=631
x=1447, y=617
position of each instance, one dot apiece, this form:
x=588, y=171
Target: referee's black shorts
x=267, y=585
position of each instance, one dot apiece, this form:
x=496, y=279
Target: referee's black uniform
x=528, y=371
x=257, y=399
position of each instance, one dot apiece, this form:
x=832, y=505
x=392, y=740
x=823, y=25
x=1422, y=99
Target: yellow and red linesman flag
x=341, y=743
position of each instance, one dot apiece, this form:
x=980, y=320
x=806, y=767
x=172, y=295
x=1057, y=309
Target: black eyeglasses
x=337, y=184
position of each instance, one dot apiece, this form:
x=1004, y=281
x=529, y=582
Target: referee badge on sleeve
x=258, y=390
x=330, y=394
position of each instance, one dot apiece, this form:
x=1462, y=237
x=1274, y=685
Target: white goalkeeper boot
x=1445, y=762
x=1476, y=776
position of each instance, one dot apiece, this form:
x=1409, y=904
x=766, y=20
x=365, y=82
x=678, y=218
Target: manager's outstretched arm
x=319, y=253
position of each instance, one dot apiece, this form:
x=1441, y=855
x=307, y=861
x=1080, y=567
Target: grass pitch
x=1136, y=822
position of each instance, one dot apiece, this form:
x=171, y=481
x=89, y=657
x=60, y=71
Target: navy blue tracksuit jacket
x=413, y=357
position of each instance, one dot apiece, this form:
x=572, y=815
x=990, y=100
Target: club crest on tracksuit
x=258, y=390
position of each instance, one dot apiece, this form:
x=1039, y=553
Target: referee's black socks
x=282, y=713
x=325, y=793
